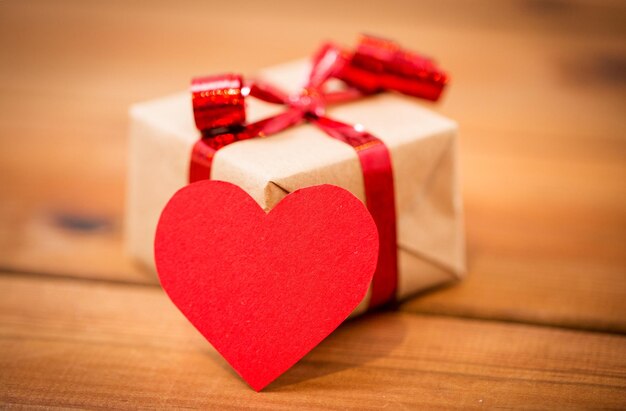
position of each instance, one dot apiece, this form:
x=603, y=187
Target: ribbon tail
x=343, y=96
x=204, y=149
x=275, y=124
x=375, y=161
x=327, y=61
x=267, y=92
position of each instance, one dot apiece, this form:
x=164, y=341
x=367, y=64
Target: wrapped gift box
x=423, y=147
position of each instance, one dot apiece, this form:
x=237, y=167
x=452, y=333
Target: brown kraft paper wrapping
x=423, y=147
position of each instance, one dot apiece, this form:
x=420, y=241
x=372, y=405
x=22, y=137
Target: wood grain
x=80, y=344
x=538, y=90
x=539, y=100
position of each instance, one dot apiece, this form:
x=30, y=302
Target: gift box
x=424, y=155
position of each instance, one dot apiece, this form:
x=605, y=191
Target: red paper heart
x=265, y=289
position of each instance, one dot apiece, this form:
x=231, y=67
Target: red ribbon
x=376, y=65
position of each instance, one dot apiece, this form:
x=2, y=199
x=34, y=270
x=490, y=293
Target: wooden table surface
x=539, y=91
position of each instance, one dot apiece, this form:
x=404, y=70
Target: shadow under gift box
x=423, y=147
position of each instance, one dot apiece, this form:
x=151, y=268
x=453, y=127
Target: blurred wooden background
x=539, y=91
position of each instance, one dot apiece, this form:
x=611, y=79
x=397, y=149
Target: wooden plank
x=545, y=239
x=537, y=252
x=97, y=345
x=538, y=92
x=534, y=69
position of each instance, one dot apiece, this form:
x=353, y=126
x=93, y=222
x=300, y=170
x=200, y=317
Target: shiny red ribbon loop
x=380, y=64
x=376, y=65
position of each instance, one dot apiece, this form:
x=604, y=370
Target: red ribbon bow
x=376, y=65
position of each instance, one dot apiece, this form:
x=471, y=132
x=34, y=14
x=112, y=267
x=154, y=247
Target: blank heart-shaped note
x=265, y=288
